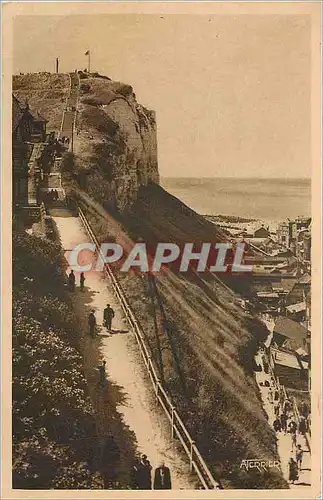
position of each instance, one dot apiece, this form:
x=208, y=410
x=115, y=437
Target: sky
x=231, y=93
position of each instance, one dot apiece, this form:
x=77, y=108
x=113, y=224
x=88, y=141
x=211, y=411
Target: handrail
x=178, y=428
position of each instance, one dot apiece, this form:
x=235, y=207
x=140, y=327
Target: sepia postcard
x=161, y=250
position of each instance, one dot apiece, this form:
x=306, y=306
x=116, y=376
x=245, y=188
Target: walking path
x=124, y=367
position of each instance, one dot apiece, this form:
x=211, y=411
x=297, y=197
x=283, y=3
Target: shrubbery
x=54, y=440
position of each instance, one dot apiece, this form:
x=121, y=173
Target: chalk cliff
x=116, y=144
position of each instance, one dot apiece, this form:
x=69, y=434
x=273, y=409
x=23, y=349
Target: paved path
x=125, y=369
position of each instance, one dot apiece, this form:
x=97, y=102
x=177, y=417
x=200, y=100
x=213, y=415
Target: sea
x=261, y=199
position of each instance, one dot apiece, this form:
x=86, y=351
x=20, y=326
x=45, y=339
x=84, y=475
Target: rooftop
x=290, y=329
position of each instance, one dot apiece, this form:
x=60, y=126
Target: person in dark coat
x=277, y=425
x=92, y=323
x=277, y=410
x=293, y=470
x=102, y=372
x=283, y=420
x=292, y=426
x=143, y=474
x=108, y=315
x=304, y=410
x=162, y=480
x=299, y=456
x=82, y=280
x=71, y=281
x=287, y=406
x=302, y=426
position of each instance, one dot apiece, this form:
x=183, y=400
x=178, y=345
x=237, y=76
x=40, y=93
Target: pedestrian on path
x=283, y=419
x=143, y=474
x=304, y=411
x=302, y=426
x=270, y=395
x=82, y=280
x=71, y=281
x=162, y=480
x=292, y=426
x=293, y=471
x=277, y=425
x=293, y=436
x=287, y=406
x=108, y=315
x=276, y=409
x=299, y=456
x=92, y=323
x=102, y=373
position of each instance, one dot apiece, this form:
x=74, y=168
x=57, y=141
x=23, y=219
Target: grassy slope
x=207, y=353
x=46, y=93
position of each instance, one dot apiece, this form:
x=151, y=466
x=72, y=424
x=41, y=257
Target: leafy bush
x=54, y=438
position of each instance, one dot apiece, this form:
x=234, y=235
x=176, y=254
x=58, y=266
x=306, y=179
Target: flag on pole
x=87, y=53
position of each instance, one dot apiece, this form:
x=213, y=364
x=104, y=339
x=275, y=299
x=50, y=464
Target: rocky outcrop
x=116, y=144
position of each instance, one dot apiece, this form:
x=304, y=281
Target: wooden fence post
x=173, y=409
x=191, y=456
x=157, y=389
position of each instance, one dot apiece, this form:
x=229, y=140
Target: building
x=283, y=234
x=303, y=223
x=38, y=125
x=289, y=334
x=21, y=134
x=303, y=247
x=261, y=232
x=28, y=145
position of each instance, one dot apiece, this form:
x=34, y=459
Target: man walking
x=143, y=474
x=82, y=280
x=283, y=419
x=162, y=480
x=71, y=281
x=102, y=372
x=299, y=456
x=292, y=430
x=92, y=323
x=304, y=410
x=108, y=315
